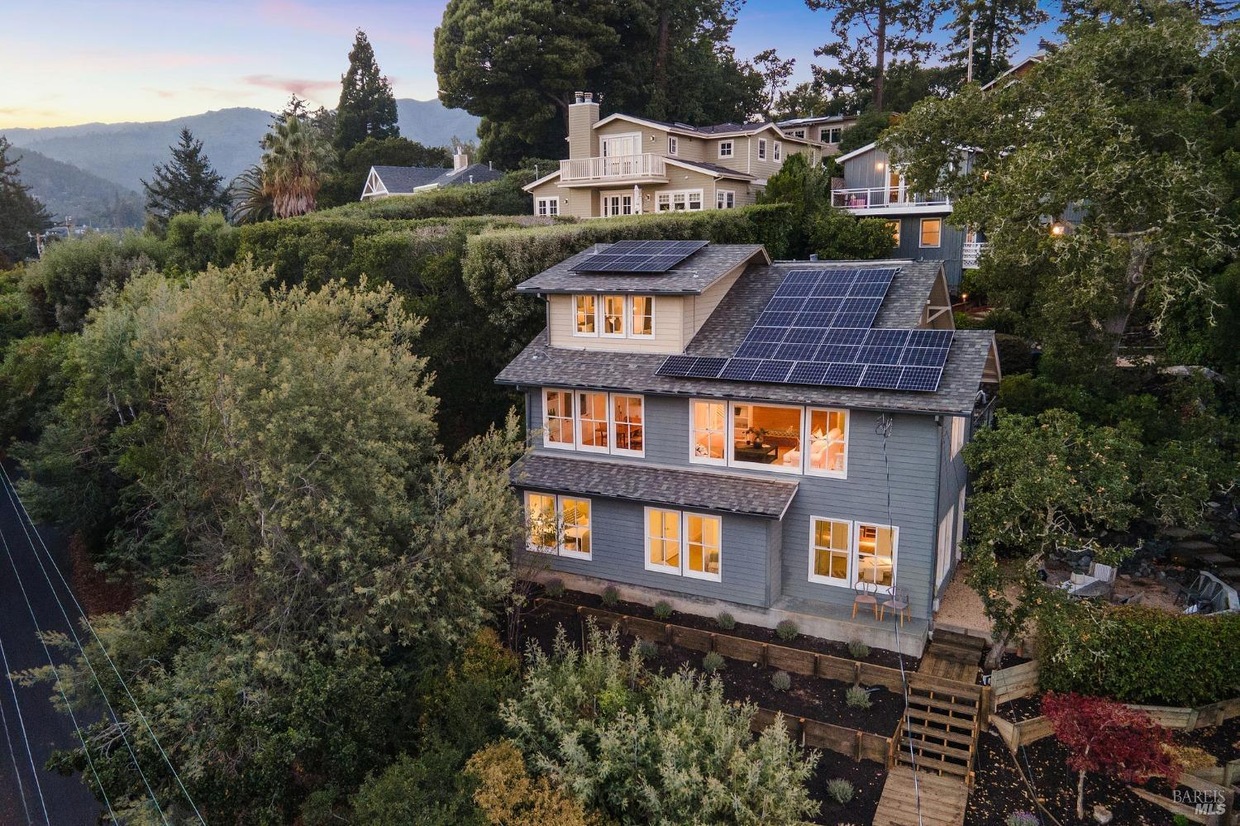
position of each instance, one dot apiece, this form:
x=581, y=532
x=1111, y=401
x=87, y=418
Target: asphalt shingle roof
x=689, y=277
x=403, y=180
x=679, y=487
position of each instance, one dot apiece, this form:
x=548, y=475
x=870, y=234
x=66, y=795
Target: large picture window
x=770, y=437
x=766, y=436
x=846, y=553
x=593, y=314
x=684, y=544
x=558, y=524
x=558, y=416
x=594, y=421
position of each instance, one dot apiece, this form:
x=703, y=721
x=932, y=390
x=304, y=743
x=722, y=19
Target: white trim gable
x=374, y=186
x=855, y=152
x=530, y=186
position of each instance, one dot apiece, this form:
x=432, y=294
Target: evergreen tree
x=20, y=212
x=187, y=184
x=367, y=107
x=997, y=25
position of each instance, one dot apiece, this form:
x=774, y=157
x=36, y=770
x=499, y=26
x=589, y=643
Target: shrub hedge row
x=502, y=197
x=1140, y=655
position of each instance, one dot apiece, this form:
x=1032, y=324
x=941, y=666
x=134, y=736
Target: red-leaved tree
x=1108, y=737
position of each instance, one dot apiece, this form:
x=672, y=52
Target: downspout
x=938, y=480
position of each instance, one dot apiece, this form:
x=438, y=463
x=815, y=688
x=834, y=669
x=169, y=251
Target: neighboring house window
x=558, y=415
x=679, y=201
x=548, y=207
x=830, y=134
x=558, y=524
x=958, y=429
x=592, y=414
x=587, y=306
x=725, y=149
x=847, y=553
x=766, y=436
x=830, y=552
x=643, y=316
x=684, y=544
x=725, y=199
x=778, y=151
x=604, y=423
x=613, y=316
x=798, y=133
x=626, y=416
x=894, y=226
x=828, y=442
x=762, y=149
x=709, y=432
x=931, y=232
x=673, y=144
x=617, y=205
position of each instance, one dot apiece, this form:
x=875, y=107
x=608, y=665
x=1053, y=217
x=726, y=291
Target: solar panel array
x=639, y=256
x=816, y=330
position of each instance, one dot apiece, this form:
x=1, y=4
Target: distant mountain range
x=70, y=192
x=126, y=153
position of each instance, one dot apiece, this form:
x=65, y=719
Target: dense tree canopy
x=20, y=212
x=367, y=107
x=994, y=26
x=188, y=183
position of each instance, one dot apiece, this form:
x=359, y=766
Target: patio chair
x=865, y=593
x=896, y=600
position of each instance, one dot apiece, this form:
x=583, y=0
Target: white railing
x=970, y=253
x=884, y=197
x=614, y=168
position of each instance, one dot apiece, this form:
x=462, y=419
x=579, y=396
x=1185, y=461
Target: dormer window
x=673, y=145
x=725, y=149
x=606, y=316
x=762, y=149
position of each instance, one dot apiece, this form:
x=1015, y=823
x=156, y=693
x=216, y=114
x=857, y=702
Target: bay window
x=684, y=543
x=558, y=525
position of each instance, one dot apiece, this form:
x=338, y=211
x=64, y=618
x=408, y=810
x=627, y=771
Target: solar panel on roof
x=757, y=349
x=842, y=375
x=920, y=378
x=808, y=372
x=708, y=368
x=796, y=352
x=676, y=366
x=639, y=256
x=740, y=369
x=773, y=371
x=880, y=377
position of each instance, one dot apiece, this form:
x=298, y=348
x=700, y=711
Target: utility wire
x=25, y=737
x=59, y=685
x=11, y=491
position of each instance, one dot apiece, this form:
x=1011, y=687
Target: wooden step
x=955, y=653
x=942, y=704
x=960, y=640
x=946, y=734
x=963, y=723
x=933, y=765
x=965, y=755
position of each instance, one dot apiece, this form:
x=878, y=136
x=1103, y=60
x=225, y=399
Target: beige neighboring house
x=625, y=165
x=826, y=130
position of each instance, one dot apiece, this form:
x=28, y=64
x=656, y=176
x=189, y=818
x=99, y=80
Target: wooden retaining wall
x=813, y=734
x=1015, y=682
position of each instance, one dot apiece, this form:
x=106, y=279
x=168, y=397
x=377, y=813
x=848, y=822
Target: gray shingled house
x=385, y=181
x=771, y=439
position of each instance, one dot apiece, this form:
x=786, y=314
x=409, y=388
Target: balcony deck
x=885, y=200
x=616, y=169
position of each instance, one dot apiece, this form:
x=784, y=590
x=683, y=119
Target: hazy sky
x=80, y=61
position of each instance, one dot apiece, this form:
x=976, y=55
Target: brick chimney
x=582, y=115
x=459, y=159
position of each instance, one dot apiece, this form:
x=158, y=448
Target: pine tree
x=20, y=212
x=367, y=108
x=997, y=25
x=187, y=184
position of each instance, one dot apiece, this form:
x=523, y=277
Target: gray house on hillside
x=770, y=439
x=384, y=181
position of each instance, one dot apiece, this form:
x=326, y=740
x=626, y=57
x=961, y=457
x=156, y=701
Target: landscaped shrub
x=647, y=649
x=781, y=681
x=858, y=650
x=611, y=596
x=840, y=790
x=787, y=630
x=501, y=197
x=554, y=588
x=857, y=697
x=725, y=621
x=662, y=610
x=1139, y=655
x=1022, y=819
x=712, y=662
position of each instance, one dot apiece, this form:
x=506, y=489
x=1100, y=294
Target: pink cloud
x=302, y=87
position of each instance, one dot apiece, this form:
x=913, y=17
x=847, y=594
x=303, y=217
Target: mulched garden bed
x=867, y=779
x=1222, y=741
x=835, y=648
x=1019, y=710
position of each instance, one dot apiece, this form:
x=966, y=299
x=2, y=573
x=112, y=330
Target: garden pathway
x=942, y=799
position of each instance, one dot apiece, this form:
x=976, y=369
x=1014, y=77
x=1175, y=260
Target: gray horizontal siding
x=950, y=252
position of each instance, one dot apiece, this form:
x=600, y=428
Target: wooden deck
x=953, y=657
x=942, y=800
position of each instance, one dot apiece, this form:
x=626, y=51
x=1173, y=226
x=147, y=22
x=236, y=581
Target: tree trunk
x=994, y=656
x=660, y=96
x=1134, y=279
x=880, y=58
x=1080, y=796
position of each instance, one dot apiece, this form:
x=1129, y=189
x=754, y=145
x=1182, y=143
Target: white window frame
x=577, y=422
x=693, y=433
x=592, y=315
x=730, y=443
x=777, y=153
x=631, y=303
x=854, y=553
x=571, y=417
x=603, y=314
x=725, y=199
x=580, y=422
x=666, y=201
x=813, y=552
x=673, y=145
x=807, y=455
x=614, y=425
x=727, y=149
x=633, y=138
x=623, y=204
x=547, y=207
x=682, y=538
x=830, y=134
x=559, y=549
x=762, y=149
x=921, y=235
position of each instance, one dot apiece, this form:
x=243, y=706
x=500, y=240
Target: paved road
x=68, y=801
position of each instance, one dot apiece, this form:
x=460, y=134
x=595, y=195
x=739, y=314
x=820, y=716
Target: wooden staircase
x=939, y=733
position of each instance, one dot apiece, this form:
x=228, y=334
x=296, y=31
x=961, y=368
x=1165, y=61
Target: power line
x=17, y=772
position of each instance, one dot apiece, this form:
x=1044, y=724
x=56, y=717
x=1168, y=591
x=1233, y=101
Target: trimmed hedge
x=1139, y=655
x=502, y=197
x=496, y=262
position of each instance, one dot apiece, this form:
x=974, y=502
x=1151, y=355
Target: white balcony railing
x=970, y=254
x=615, y=168
x=884, y=197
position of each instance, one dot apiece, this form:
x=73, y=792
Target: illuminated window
x=876, y=554
x=613, y=315
x=766, y=436
x=558, y=524
x=830, y=553
x=709, y=432
x=643, y=315
x=702, y=548
x=627, y=419
x=540, y=520
x=663, y=540
x=585, y=316
x=592, y=412
x=558, y=418
x=931, y=232
x=828, y=442
x=684, y=544
x=594, y=421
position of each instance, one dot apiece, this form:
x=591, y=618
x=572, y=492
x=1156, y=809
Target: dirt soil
x=835, y=648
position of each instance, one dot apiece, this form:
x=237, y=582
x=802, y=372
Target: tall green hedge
x=501, y=197
x=496, y=262
x=1140, y=655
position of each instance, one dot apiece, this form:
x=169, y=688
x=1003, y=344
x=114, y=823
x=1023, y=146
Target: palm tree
x=296, y=160
x=250, y=203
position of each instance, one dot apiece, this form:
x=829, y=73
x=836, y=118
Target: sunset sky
x=81, y=61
